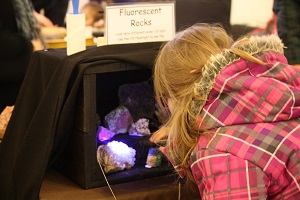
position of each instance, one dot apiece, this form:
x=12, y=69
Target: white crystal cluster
x=115, y=156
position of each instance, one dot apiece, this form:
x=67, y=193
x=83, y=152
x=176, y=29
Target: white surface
x=76, y=40
x=101, y=41
x=251, y=12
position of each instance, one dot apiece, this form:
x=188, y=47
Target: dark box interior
x=98, y=94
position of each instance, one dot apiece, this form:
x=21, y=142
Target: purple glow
x=104, y=133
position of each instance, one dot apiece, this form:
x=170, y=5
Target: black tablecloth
x=42, y=119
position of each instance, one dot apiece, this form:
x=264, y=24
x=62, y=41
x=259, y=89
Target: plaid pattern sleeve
x=222, y=175
x=273, y=148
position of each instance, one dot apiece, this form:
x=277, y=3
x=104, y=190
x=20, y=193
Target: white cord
x=179, y=189
x=107, y=182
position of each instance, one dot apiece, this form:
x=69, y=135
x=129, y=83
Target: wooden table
x=57, y=187
x=61, y=43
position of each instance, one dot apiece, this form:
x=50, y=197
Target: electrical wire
x=112, y=192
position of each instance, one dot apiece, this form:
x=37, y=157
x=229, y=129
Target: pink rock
x=104, y=133
x=118, y=120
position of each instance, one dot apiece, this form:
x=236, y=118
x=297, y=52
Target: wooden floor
x=57, y=187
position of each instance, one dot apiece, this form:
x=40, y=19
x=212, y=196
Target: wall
x=251, y=12
x=245, y=12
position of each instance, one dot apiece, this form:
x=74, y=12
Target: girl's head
x=175, y=78
x=179, y=58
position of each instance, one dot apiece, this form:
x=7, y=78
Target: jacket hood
x=238, y=91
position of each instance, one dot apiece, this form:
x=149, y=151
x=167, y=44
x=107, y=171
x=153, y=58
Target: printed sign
x=139, y=22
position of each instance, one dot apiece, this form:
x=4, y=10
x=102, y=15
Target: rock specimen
x=115, y=156
x=118, y=120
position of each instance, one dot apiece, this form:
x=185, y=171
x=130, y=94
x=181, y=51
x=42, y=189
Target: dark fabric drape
x=43, y=116
x=15, y=53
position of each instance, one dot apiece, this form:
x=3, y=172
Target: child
x=234, y=129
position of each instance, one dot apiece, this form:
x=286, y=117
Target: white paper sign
x=140, y=22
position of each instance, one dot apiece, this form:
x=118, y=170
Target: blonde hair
x=178, y=67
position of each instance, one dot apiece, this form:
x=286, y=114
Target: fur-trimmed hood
x=238, y=91
x=256, y=44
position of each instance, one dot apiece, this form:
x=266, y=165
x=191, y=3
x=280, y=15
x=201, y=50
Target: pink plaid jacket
x=252, y=115
x=253, y=112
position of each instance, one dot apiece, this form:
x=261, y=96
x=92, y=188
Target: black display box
x=98, y=95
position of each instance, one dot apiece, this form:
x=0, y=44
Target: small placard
x=139, y=22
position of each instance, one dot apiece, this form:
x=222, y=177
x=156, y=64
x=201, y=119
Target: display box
x=97, y=96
